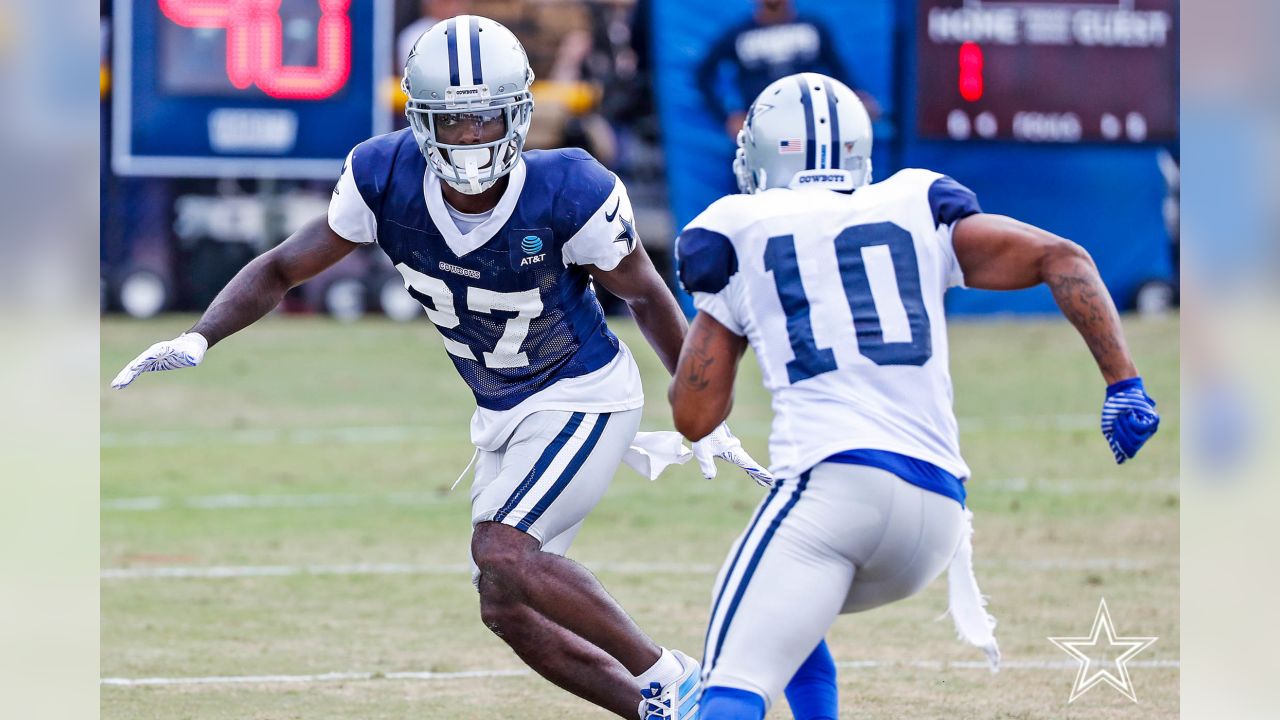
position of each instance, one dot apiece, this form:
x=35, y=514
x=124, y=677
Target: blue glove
x=1129, y=418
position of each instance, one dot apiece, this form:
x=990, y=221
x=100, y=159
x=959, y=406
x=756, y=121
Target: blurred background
x=1011, y=115
x=1063, y=114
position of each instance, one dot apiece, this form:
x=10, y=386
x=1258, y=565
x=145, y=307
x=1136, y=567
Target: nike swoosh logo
x=609, y=216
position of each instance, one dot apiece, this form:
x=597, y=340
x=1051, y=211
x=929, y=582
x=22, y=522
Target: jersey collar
x=462, y=244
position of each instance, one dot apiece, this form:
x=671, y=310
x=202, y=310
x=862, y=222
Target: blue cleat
x=677, y=700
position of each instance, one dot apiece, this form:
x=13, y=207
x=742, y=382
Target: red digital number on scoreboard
x=971, y=82
x=255, y=37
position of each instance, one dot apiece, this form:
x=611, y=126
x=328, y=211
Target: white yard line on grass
x=380, y=434
x=482, y=674
x=207, y=572
x=243, y=571
x=239, y=501
x=357, y=435
x=1051, y=486
x=323, y=677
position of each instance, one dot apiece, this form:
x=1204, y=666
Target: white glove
x=184, y=351
x=652, y=452
x=722, y=444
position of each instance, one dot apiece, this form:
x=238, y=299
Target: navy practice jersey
x=511, y=298
x=759, y=54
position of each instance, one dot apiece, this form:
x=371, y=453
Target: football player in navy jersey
x=501, y=247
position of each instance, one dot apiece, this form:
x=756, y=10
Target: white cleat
x=677, y=700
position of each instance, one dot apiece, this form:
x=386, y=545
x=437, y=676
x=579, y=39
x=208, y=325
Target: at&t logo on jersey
x=528, y=248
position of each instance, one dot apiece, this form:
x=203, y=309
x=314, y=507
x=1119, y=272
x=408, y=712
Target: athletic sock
x=723, y=703
x=666, y=670
x=812, y=692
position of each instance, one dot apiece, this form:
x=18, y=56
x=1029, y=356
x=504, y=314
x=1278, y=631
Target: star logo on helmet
x=758, y=108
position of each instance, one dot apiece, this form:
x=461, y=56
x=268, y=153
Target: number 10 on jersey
x=877, y=264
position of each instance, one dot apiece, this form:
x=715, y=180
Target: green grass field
x=303, y=442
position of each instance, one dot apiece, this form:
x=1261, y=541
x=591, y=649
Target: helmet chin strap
x=471, y=160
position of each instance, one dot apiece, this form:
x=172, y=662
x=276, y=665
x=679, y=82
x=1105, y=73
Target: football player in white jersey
x=837, y=284
x=502, y=246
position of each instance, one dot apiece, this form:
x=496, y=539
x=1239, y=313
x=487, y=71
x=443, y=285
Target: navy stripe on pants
x=733, y=565
x=539, y=467
x=751, y=569
x=569, y=471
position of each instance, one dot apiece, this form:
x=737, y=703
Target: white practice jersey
x=841, y=298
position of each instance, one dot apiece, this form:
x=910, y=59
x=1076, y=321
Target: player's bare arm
x=701, y=392
x=251, y=294
x=262, y=284
x=663, y=324
x=1000, y=253
x=638, y=284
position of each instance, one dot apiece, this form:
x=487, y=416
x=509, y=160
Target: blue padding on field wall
x=1106, y=199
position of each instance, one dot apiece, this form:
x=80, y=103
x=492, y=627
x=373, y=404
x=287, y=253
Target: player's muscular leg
x=556, y=653
x=513, y=571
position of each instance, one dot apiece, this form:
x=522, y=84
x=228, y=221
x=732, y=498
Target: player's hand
x=722, y=444
x=184, y=351
x=1129, y=418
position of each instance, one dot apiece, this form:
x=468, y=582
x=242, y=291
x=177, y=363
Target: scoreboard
x=267, y=88
x=1048, y=71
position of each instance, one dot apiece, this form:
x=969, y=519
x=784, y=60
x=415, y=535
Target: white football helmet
x=805, y=129
x=468, y=64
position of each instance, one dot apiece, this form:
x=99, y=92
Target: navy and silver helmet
x=805, y=127
x=468, y=64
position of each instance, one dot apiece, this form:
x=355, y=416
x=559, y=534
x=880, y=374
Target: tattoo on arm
x=700, y=362
x=1084, y=300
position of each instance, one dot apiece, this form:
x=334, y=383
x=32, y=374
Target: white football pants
x=551, y=472
x=838, y=539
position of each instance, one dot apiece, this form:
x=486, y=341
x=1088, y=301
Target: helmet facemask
x=471, y=168
x=749, y=181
